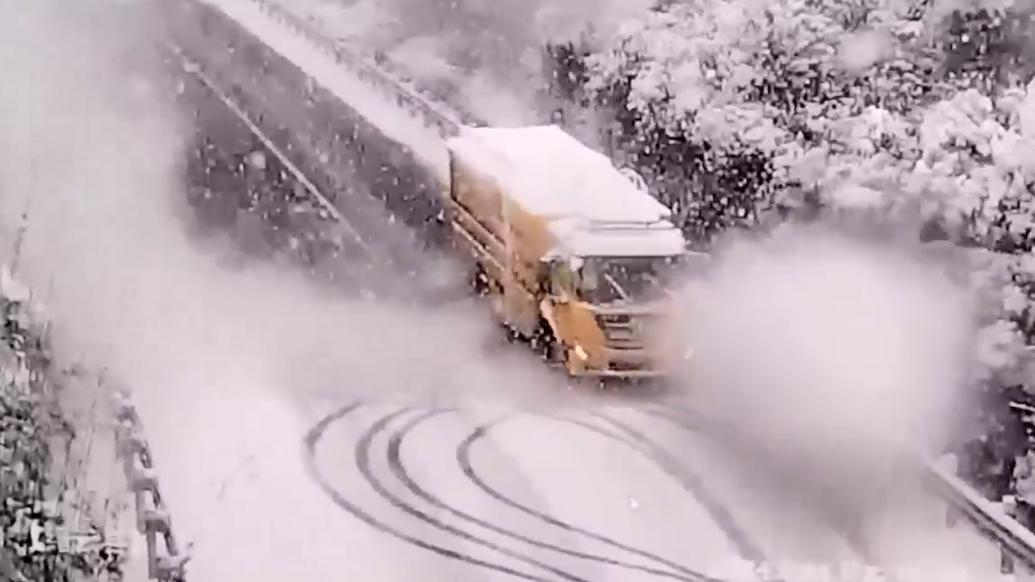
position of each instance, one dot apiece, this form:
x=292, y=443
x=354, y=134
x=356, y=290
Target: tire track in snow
x=696, y=424
x=313, y=437
x=362, y=453
x=677, y=571
x=745, y=546
x=363, y=457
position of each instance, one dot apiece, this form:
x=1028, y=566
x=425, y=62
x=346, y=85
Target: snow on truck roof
x=552, y=174
x=662, y=241
x=593, y=208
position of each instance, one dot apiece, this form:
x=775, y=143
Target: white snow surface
x=241, y=492
x=594, y=209
x=858, y=197
x=394, y=121
x=577, y=240
x=11, y=287
x=552, y=174
x=244, y=494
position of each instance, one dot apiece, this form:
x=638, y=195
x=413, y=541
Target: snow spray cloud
x=94, y=153
x=834, y=359
x=488, y=51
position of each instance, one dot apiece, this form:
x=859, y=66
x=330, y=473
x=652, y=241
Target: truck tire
x=479, y=280
x=545, y=343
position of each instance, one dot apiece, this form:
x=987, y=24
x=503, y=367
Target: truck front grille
x=623, y=366
x=624, y=331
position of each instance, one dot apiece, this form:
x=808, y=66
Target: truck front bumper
x=616, y=363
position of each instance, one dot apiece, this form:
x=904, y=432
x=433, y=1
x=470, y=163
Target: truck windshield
x=625, y=279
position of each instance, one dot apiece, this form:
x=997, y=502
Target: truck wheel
x=545, y=343
x=479, y=281
x=511, y=334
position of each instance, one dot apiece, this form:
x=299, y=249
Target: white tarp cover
x=594, y=209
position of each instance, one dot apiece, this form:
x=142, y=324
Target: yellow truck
x=574, y=254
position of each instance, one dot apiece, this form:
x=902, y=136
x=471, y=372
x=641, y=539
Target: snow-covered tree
x=730, y=107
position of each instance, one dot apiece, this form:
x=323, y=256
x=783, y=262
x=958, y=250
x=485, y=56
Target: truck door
x=560, y=302
x=520, y=301
x=574, y=321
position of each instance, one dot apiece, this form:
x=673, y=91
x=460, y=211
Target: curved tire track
x=313, y=437
x=399, y=469
x=693, y=484
x=362, y=449
x=463, y=456
x=692, y=422
x=621, y=433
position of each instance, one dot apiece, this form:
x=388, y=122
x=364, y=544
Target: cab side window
x=562, y=280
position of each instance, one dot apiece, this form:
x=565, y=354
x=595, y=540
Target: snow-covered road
x=533, y=497
x=407, y=492
x=268, y=486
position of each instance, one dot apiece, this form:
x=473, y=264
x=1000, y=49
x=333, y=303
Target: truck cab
x=608, y=314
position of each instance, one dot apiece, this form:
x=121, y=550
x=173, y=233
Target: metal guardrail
x=165, y=559
x=1016, y=542
x=403, y=93
x=395, y=70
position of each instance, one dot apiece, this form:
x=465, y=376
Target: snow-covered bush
x=32, y=504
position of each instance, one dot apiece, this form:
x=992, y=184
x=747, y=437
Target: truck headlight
x=580, y=352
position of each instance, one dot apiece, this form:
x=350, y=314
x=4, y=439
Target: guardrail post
x=1006, y=563
x=157, y=521
x=126, y=412
x=152, y=517
x=170, y=567
x=133, y=443
x=143, y=480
